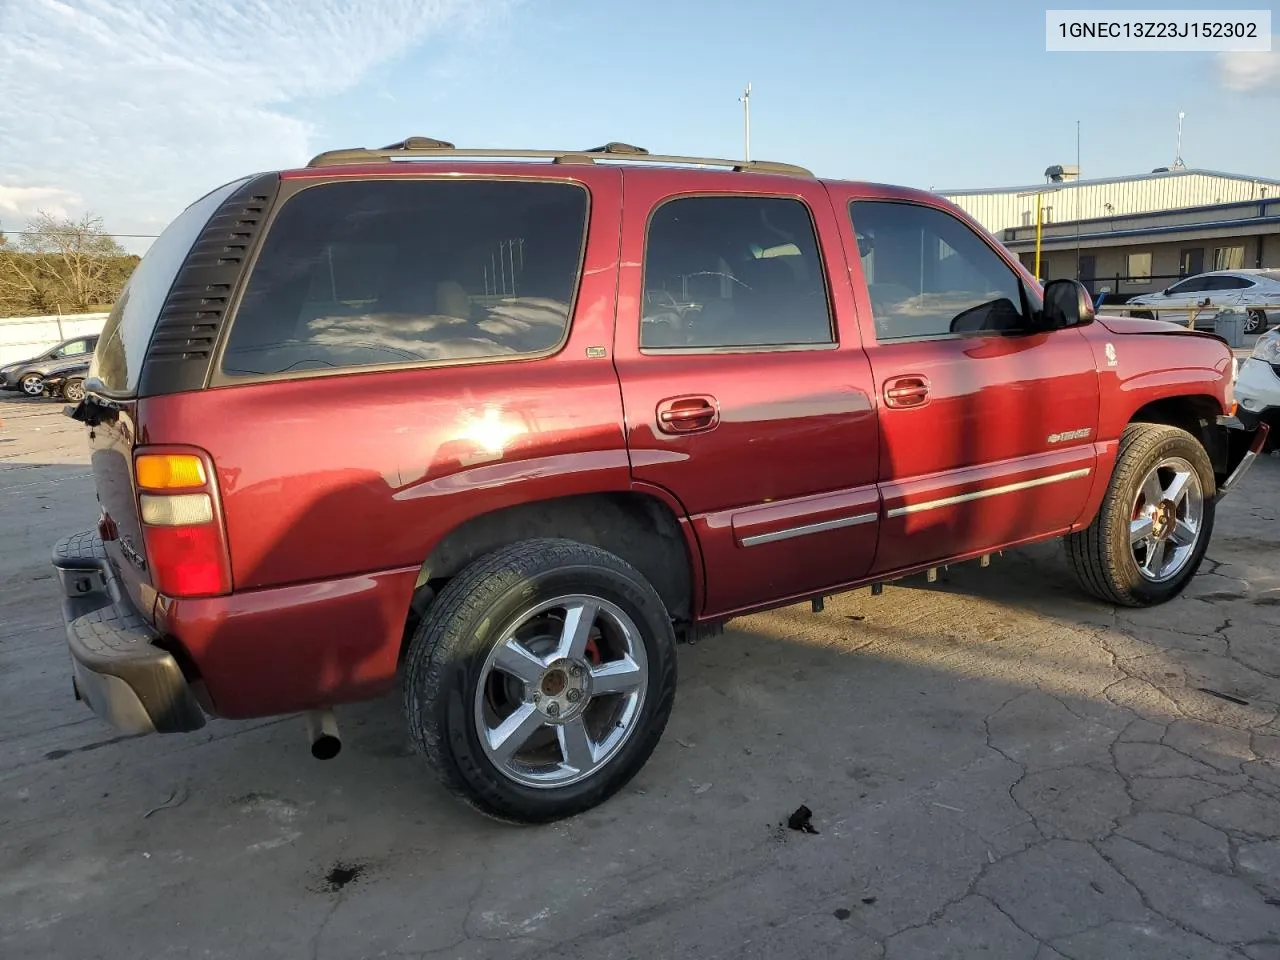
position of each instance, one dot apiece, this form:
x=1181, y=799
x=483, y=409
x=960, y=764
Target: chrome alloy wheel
x=562, y=691
x=32, y=385
x=1167, y=517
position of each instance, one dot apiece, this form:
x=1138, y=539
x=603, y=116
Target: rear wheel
x=541, y=680
x=1153, y=528
x=32, y=384
x=73, y=390
x=1255, y=321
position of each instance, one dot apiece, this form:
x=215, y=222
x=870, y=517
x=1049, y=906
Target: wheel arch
x=1198, y=415
x=640, y=526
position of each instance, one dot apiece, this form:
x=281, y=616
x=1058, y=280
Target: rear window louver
x=195, y=309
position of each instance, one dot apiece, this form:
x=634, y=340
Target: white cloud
x=139, y=108
x=18, y=204
x=1251, y=72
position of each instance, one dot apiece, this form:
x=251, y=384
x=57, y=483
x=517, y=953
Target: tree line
x=61, y=265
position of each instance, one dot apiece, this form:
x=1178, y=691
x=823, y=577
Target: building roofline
x=1105, y=180
x=1140, y=232
x=1268, y=203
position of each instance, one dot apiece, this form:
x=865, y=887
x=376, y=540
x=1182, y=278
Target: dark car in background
x=29, y=375
x=66, y=379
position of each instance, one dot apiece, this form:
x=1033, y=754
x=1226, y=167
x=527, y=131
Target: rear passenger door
x=987, y=425
x=746, y=394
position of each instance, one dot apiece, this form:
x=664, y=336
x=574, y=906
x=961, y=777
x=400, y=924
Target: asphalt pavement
x=996, y=766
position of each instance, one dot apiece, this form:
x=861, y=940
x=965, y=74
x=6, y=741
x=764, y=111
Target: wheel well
x=1198, y=415
x=640, y=529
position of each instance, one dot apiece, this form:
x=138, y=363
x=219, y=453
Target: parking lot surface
x=996, y=767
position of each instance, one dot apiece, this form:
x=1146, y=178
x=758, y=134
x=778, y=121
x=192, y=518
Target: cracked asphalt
x=997, y=767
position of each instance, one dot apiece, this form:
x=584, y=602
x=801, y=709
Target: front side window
x=736, y=271
x=1194, y=285
x=368, y=272
x=930, y=275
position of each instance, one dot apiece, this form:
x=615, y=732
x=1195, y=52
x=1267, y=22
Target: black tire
x=1144, y=315
x=1255, y=321
x=1101, y=555
x=73, y=390
x=31, y=378
x=447, y=653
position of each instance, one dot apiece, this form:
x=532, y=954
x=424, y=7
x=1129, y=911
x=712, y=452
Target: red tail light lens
x=188, y=561
x=186, y=546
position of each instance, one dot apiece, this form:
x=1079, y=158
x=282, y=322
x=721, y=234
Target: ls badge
x=1111, y=355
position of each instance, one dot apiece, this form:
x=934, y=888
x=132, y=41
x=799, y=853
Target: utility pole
x=1177, y=156
x=745, y=100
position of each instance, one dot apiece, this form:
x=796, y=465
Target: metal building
x=1000, y=208
x=1131, y=235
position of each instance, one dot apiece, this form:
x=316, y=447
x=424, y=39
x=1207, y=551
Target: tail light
x=181, y=523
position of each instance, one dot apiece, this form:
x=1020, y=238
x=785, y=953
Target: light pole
x=1039, y=195
x=745, y=100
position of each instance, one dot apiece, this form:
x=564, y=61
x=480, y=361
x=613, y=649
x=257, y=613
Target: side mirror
x=1067, y=303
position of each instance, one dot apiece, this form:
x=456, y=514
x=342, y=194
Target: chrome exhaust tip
x=322, y=734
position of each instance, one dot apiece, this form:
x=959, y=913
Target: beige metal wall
x=1000, y=209
x=1165, y=260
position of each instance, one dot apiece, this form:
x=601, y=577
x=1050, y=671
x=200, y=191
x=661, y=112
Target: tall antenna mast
x=1177, y=158
x=745, y=100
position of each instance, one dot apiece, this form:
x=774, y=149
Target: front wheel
x=1153, y=527
x=541, y=679
x=1255, y=321
x=32, y=384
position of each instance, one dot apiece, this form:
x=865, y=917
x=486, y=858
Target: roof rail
x=428, y=148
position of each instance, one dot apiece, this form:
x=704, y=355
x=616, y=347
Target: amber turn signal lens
x=156, y=471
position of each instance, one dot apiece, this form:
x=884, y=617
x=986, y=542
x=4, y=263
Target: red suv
x=503, y=426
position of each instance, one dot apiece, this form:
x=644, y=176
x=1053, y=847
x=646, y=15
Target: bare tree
x=74, y=256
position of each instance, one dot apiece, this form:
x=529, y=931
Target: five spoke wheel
x=1168, y=513
x=561, y=691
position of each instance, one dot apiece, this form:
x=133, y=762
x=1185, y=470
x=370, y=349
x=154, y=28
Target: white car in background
x=1257, y=388
x=1252, y=290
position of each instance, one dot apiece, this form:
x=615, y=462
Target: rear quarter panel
x=336, y=488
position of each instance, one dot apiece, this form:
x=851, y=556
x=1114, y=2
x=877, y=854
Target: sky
x=130, y=110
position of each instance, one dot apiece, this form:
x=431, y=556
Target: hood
x=1126, y=325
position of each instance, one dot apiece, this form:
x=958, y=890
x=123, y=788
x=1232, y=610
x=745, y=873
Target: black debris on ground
x=802, y=820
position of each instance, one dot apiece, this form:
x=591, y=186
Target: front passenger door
x=987, y=427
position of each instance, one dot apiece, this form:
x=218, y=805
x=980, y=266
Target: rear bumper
x=119, y=671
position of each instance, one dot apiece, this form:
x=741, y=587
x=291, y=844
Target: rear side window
x=127, y=332
x=733, y=272
x=361, y=273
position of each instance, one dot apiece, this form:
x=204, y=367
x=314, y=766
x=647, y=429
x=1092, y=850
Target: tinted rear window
x=360, y=273
x=127, y=332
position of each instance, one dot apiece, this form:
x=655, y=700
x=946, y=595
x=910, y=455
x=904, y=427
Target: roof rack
x=428, y=148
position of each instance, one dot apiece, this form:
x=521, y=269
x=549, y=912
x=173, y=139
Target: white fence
x=22, y=337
